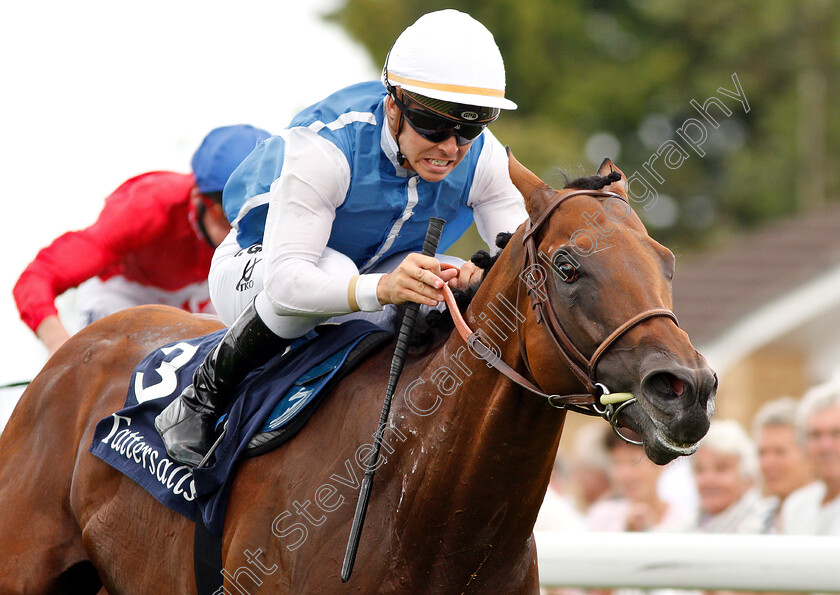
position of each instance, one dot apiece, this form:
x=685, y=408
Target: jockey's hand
x=467, y=275
x=418, y=278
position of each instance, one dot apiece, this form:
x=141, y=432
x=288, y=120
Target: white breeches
x=97, y=299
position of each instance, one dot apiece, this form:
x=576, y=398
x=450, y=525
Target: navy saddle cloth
x=273, y=403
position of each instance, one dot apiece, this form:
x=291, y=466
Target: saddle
x=302, y=400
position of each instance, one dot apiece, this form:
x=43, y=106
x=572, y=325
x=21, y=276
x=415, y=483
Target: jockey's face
x=213, y=220
x=432, y=161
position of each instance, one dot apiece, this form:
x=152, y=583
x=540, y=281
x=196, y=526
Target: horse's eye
x=567, y=271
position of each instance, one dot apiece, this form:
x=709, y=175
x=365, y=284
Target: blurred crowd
x=781, y=475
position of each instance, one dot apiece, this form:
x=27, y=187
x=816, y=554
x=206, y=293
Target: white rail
x=690, y=561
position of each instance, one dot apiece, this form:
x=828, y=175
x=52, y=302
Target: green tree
x=628, y=70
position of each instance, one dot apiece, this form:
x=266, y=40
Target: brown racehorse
x=464, y=466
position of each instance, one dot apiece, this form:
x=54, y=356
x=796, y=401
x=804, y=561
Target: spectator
x=590, y=466
x=558, y=512
x=782, y=460
x=725, y=468
x=152, y=244
x=639, y=507
x=815, y=508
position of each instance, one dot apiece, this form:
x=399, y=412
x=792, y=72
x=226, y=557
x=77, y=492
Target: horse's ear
x=533, y=189
x=606, y=168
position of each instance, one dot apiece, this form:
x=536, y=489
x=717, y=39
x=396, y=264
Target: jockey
x=328, y=216
x=152, y=243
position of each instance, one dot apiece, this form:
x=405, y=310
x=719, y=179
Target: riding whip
x=15, y=384
x=397, y=363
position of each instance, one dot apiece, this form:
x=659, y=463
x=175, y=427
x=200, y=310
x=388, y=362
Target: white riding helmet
x=450, y=56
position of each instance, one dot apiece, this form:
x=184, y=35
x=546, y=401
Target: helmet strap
x=199, y=213
x=400, y=157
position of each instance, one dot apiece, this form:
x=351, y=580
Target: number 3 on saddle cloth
x=272, y=405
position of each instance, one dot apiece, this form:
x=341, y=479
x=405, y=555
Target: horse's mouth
x=679, y=449
x=659, y=446
x=662, y=450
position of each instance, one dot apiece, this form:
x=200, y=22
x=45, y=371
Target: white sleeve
x=497, y=204
x=313, y=183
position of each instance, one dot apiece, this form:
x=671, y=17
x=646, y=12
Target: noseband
x=597, y=400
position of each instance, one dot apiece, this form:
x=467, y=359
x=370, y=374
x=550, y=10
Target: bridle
x=597, y=399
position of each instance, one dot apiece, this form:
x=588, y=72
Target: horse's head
x=601, y=291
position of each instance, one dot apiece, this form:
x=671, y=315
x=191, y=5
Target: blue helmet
x=221, y=152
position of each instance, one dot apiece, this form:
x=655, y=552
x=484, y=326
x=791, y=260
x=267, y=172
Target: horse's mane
x=591, y=182
x=437, y=325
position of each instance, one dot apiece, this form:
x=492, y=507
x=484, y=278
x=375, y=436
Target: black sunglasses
x=437, y=129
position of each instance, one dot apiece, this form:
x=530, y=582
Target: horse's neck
x=480, y=462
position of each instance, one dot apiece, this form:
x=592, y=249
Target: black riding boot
x=187, y=424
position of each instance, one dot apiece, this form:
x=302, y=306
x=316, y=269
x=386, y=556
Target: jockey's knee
x=284, y=325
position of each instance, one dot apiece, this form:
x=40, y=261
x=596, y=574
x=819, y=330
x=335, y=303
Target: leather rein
x=597, y=400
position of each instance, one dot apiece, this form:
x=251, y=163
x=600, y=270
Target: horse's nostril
x=665, y=385
x=677, y=385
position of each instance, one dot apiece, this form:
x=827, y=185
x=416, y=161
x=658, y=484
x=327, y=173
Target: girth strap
x=207, y=559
